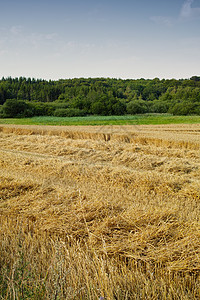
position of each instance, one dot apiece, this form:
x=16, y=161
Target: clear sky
x=100, y=38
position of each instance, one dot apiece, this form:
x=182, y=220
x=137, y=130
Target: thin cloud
x=16, y=30
x=167, y=21
x=2, y=52
x=50, y=36
x=189, y=12
x=15, y=38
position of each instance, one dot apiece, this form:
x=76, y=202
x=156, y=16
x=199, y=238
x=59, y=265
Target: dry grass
x=100, y=211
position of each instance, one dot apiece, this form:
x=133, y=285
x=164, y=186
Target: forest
x=27, y=97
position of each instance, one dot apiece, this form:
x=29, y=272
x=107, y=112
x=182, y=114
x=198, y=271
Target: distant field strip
x=105, y=210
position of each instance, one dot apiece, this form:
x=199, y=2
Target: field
x=145, y=119
x=100, y=211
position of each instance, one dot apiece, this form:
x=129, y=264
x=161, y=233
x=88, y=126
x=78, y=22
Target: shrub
x=1, y=111
x=118, y=108
x=42, y=109
x=16, y=108
x=185, y=109
x=160, y=107
x=137, y=107
x=99, y=108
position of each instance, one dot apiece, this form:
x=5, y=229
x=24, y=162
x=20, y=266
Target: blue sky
x=100, y=38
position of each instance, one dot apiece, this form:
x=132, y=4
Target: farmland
x=145, y=119
x=90, y=211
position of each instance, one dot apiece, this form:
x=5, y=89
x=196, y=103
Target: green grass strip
x=147, y=119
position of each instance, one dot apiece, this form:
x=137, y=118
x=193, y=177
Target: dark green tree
x=15, y=108
x=137, y=107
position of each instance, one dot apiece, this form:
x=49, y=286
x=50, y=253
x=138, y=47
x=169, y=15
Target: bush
x=69, y=112
x=42, y=109
x=185, y=109
x=137, y=107
x=99, y=108
x=1, y=111
x=118, y=108
x=16, y=108
x=160, y=107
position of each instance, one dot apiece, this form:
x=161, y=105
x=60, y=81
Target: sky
x=100, y=38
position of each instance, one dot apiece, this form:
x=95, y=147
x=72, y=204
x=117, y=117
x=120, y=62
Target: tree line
x=27, y=97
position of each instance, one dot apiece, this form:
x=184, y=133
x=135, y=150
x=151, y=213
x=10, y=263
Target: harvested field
x=110, y=211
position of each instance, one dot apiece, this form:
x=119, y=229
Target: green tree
x=185, y=109
x=16, y=108
x=98, y=108
x=136, y=107
x=160, y=106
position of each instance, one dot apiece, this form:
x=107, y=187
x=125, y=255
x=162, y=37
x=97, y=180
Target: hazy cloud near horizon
x=129, y=39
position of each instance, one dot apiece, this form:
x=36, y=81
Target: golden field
x=110, y=211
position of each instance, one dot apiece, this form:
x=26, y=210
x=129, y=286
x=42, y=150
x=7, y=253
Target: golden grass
x=100, y=211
